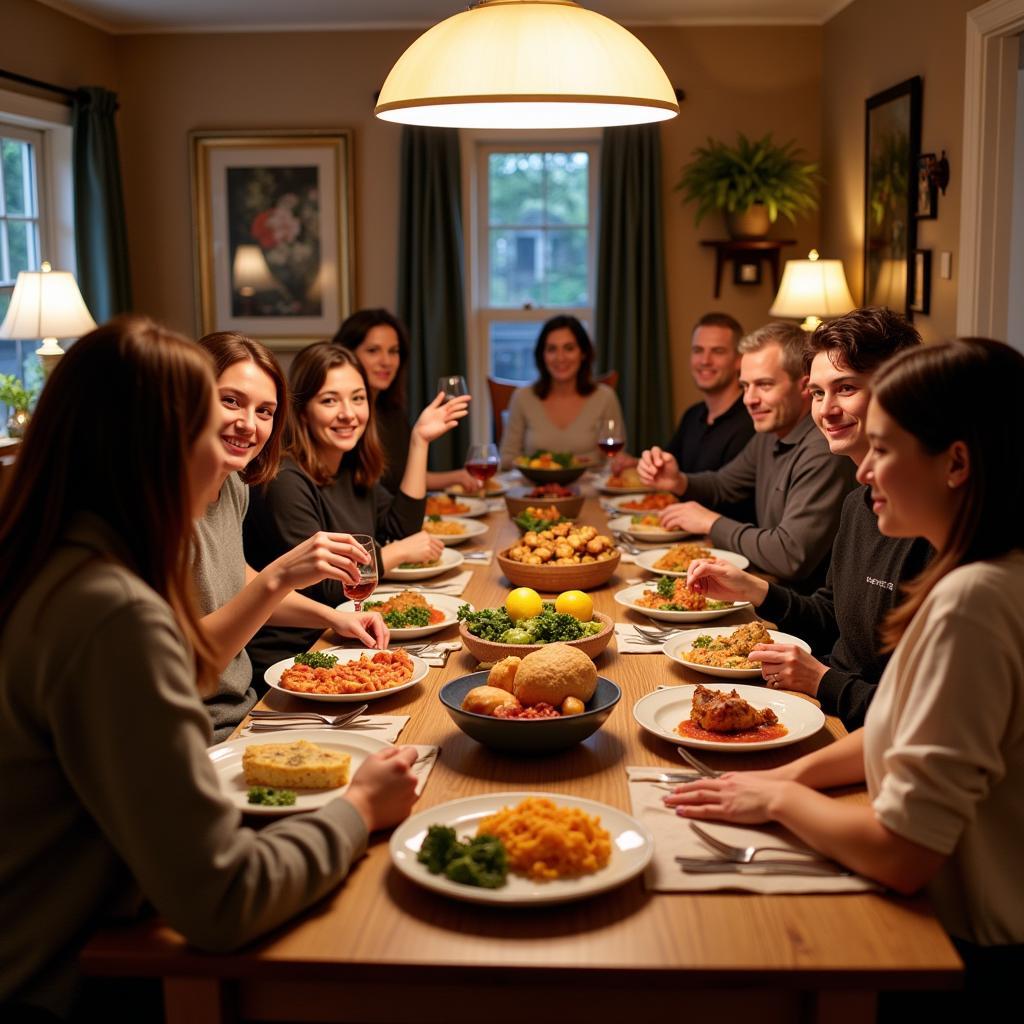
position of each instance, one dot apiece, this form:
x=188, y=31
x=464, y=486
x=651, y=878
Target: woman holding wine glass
x=564, y=410
x=329, y=480
x=380, y=342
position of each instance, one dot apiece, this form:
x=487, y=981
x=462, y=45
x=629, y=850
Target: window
x=536, y=241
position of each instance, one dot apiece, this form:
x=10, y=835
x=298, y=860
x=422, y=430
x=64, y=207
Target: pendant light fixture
x=527, y=64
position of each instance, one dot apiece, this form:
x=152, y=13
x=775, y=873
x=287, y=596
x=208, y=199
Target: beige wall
x=870, y=46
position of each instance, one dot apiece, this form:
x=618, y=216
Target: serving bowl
x=490, y=650
x=553, y=579
x=530, y=736
x=516, y=501
x=552, y=476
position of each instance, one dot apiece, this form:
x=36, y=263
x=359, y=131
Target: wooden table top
x=378, y=922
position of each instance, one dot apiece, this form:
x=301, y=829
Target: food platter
x=470, y=528
x=675, y=647
x=274, y=673
x=661, y=711
x=655, y=534
x=648, y=558
x=632, y=848
x=450, y=559
x=442, y=602
x=475, y=506
x=227, y=763
x=627, y=597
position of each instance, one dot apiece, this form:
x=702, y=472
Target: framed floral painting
x=272, y=216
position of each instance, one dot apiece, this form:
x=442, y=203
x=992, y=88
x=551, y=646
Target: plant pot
x=17, y=422
x=753, y=222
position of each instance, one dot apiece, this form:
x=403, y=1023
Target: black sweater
x=291, y=508
x=844, y=615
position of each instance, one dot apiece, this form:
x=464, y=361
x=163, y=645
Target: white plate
x=603, y=487
x=632, y=848
x=477, y=507
x=627, y=597
x=625, y=524
x=618, y=502
x=227, y=762
x=274, y=673
x=684, y=641
x=442, y=602
x=470, y=528
x=648, y=558
x=660, y=712
x=449, y=560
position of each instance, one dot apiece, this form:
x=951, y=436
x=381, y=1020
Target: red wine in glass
x=611, y=437
x=358, y=592
x=482, y=463
x=610, y=446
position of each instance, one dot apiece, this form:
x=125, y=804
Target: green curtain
x=431, y=274
x=631, y=311
x=100, y=235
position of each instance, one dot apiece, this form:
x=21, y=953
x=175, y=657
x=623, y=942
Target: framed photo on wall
x=921, y=282
x=272, y=219
x=892, y=143
x=927, y=190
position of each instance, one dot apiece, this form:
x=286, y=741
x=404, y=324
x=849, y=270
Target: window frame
x=37, y=139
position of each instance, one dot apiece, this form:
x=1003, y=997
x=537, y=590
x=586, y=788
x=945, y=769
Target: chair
x=501, y=394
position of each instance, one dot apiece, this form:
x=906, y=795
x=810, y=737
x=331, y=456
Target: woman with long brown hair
x=109, y=796
x=252, y=399
x=942, y=748
x=329, y=480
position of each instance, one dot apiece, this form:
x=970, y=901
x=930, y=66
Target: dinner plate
x=684, y=641
x=227, y=763
x=604, y=488
x=621, y=500
x=274, y=673
x=449, y=560
x=627, y=597
x=648, y=558
x=632, y=848
x=470, y=528
x=474, y=506
x=442, y=602
x=661, y=711
x=654, y=534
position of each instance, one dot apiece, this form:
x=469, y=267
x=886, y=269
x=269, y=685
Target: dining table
x=381, y=948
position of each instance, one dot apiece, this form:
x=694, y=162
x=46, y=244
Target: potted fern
x=752, y=183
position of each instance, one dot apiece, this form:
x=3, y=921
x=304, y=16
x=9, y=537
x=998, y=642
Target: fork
x=659, y=632
x=626, y=542
x=268, y=716
x=746, y=854
x=694, y=762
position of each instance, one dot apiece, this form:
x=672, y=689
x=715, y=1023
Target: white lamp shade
x=529, y=64
x=812, y=288
x=46, y=304
x=890, y=287
x=250, y=269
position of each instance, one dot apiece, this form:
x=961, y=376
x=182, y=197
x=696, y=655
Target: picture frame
x=921, y=282
x=746, y=271
x=927, y=190
x=892, y=141
x=272, y=224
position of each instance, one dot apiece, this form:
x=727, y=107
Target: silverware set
x=627, y=542
x=654, y=636
x=269, y=721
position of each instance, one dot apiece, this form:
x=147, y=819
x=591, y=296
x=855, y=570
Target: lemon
x=575, y=603
x=523, y=603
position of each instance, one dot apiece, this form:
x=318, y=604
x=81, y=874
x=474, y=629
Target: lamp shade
x=46, y=304
x=812, y=288
x=250, y=271
x=527, y=64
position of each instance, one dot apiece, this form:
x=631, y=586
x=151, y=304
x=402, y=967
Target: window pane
x=512, y=344
x=17, y=176
x=515, y=188
x=21, y=246
x=566, y=268
x=567, y=187
x=517, y=267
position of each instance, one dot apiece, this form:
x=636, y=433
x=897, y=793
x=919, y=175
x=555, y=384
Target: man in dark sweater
x=840, y=620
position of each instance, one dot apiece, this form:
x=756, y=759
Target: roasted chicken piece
x=716, y=711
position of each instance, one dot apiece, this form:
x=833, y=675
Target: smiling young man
x=867, y=568
x=797, y=487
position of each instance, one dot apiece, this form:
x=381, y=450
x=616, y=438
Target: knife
x=705, y=866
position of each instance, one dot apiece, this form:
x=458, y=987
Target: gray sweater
x=109, y=797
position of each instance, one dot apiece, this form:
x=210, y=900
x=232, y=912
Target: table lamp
x=46, y=304
x=811, y=290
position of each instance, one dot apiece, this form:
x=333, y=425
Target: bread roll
x=483, y=700
x=553, y=673
x=503, y=673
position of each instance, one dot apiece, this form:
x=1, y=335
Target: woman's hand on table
x=383, y=790
x=659, y=469
x=323, y=556
x=440, y=416
x=417, y=547
x=788, y=667
x=689, y=516
x=367, y=627
x=744, y=798
x=722, y=581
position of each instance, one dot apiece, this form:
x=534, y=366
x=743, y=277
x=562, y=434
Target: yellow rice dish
x=729, y=651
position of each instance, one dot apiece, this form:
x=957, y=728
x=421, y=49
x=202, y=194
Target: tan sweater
x=944, y=746
x=108, y=796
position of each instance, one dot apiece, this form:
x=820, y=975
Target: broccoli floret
x=405, y=620
x=482, y=862
x=316, y=659
x=488, y=624
x=666, y=586
x=269, y=797
x=438, y=848
x=703, y=641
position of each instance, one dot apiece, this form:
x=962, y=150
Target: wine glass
x=452, y=387
x=611, y=436
x=358, y=592
x=482, y=462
